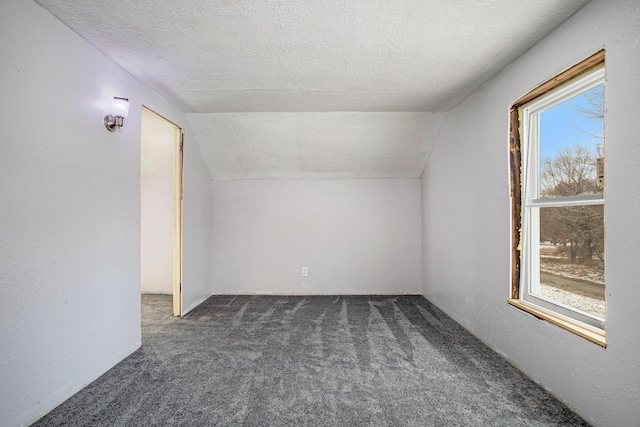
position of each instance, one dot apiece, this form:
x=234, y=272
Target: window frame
x=526, y=202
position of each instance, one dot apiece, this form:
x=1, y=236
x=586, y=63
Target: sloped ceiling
x=312, y=145
x=243, y=68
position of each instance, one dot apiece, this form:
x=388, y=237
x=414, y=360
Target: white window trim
x=531, y=201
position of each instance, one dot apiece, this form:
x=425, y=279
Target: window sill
x=565, y=323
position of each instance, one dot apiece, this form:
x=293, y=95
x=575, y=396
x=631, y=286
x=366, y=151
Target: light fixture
x=119, y=112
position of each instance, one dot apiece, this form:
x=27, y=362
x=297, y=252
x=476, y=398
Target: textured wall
x=466, y=216
x=70, y=216
x=356, y=236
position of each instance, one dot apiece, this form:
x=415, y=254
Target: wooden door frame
x=177, y=212
x=177, y=222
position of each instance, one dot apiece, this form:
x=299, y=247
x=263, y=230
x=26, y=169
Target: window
x=557, y=146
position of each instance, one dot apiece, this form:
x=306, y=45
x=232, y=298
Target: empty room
x=322, y=212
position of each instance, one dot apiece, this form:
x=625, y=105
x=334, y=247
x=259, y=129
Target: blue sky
x=560, y=126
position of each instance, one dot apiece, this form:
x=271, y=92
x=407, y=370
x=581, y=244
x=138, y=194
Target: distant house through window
x=558, y=163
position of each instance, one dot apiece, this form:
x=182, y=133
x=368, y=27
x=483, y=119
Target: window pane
x=572, y=146
x=572, y=257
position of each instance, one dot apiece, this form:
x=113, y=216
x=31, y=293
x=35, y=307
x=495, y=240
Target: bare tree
x=579, y=229
x=569, y=173
x=592, y=108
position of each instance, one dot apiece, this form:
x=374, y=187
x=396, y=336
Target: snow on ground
x=590, y=305
x=572, y=271
x=553, y=261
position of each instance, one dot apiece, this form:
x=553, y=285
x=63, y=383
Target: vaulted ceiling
x=314, y=88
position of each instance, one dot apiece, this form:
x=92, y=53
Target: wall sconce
x=119, y=112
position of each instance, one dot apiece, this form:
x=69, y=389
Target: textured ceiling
x=311, y=56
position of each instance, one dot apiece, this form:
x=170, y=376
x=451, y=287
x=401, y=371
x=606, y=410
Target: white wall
x=466, y=217
x=196, y=221
x=156, y=237
x=70, y=214
x=158, y=141
x=356, y=236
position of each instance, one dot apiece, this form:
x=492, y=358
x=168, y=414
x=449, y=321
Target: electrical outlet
x=305, y=271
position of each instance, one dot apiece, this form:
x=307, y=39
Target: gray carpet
x=310, y=361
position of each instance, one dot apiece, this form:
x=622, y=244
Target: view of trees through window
x=572, y=237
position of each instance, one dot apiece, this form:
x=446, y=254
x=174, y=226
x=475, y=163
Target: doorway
x=161, y=207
